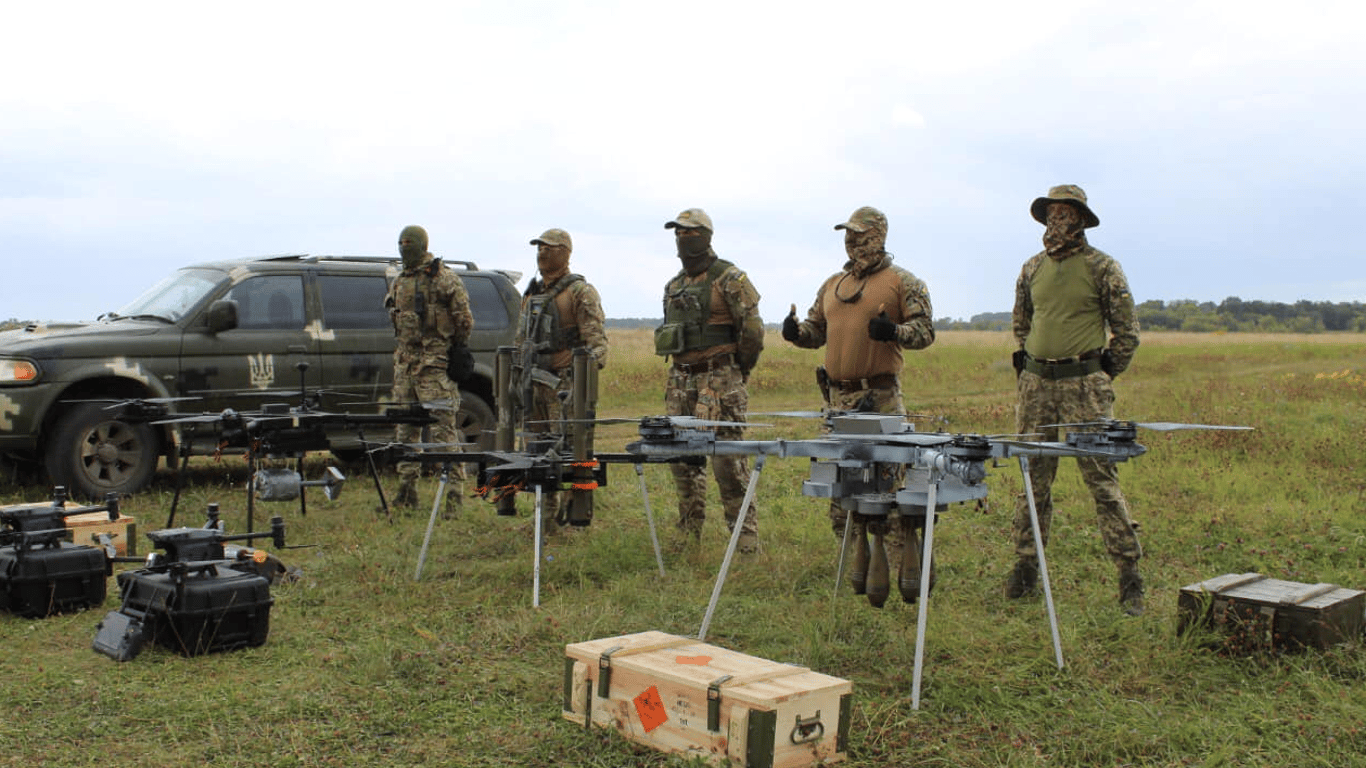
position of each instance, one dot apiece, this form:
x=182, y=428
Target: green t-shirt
x=1067, y=315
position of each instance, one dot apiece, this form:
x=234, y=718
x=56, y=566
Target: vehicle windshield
x=175, y=295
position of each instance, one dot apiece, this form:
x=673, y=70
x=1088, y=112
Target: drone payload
x=197, y=597
x=41, y=572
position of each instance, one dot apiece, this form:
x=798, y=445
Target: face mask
x=413, y=254
x=1063, y=228
x=552, y=260
x=694, y=250
x=864, y=248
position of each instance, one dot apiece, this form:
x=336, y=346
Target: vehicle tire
x=476, y=421
x=93, y=454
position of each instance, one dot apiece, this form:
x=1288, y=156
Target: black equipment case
x=197, y=608
x=40, y=580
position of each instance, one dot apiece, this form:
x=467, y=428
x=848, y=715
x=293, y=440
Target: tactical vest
x=686, y=311
x=542, y=325
x=1067, y=317
x=419, y=301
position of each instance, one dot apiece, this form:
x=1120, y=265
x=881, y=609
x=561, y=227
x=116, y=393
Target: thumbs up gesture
x=881, y=328
x=791, y=332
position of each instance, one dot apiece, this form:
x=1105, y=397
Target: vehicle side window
x=269, y=302
x=490, y=311
x=353, y=301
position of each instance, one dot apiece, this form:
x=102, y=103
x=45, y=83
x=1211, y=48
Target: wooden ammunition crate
x=678, y=694
x=123, y=531
x=1256, y=613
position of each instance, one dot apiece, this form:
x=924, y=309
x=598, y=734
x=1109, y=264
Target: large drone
x=939, y=469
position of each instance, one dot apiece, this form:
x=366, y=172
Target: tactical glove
x=459, y=363
x=881, y=328
x=791, y=331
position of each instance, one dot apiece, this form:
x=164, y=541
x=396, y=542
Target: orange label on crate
x=700, y=661
x=650, y=708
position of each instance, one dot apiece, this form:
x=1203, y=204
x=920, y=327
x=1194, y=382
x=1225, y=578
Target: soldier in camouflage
x=1066, y=299
x=560, y=312
x=864, y=316
x=713, y=334
x=430, y=311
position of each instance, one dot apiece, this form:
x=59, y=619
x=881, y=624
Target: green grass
x=366, y=666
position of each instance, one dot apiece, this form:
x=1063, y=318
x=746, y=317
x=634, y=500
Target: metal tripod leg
x=730, y=547
x=844, y=551
x=922, y=612
x=650, y=518
x=536, y=566
x=1043, y=561
x=431, y=521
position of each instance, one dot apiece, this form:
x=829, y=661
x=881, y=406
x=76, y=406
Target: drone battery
x=1257, y=614
x=680, y=695
x=123, y=532
x=206, y=608
x=38, y=581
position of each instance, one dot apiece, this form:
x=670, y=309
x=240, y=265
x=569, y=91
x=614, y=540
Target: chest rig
x=686, y=311
x=545, y=328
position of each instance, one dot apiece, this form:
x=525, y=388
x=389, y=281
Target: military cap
x=554, y=237
x=691, y=219
x=1064, y=193
x=864, y=219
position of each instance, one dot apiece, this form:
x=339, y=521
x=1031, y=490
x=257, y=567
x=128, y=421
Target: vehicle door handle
x=297, y=348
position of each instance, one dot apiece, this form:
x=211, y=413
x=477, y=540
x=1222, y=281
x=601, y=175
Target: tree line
x=1230, y=315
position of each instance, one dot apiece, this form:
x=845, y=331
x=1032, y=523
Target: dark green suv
x=222, y=335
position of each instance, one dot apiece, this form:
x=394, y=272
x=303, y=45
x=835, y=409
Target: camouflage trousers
x=1064, y=401
x=430, y=384
x=547, y=407
x=880, y=400
x=720, y=395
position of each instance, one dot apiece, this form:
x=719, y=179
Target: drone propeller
x=1156, y=426
x=695, y=423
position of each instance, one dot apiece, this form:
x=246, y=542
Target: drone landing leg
x=251, y=491
x=179, y=483
x=374, y=475
x=730, y=547
x=1043, y=561
x=536, y=566
x=923, y=610
x=431, y=521
x=303, y=496
x=844, y=550
x=650, y=518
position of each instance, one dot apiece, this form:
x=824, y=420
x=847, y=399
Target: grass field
x=367, y=667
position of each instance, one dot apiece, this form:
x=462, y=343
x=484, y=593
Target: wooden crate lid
x=695, y=664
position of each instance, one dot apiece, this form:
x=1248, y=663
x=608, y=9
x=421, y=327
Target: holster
x=823, y=381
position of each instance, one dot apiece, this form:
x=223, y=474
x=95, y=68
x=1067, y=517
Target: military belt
x=880, y=381
x=1084, y=364
x=710, y=364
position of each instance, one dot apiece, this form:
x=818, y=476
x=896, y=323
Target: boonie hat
x=1064, y=193
x=864, y=219
x=554, y=237
x=692, y=218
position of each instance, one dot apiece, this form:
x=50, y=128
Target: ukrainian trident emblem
x=262, y=370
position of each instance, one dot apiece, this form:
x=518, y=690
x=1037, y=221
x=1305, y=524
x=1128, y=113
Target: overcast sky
x=1221, y=143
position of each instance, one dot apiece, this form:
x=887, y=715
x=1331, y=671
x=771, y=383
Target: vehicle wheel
x=475, y=420
x=92, y=453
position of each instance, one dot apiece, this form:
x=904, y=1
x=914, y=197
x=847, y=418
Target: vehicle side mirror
x=222, y=315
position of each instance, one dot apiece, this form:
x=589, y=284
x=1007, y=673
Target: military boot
x=1024, y=579
x=406, y=498
x=1130, y=588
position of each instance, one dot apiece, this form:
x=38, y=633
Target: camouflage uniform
x=865, y=374
x=430, y=311
x=561, y=311
x=1065, y=368
x=713, y=334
